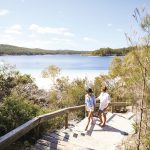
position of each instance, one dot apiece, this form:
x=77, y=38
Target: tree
x=142, y=58
x=7, y=79
x=16, y=111
x=52, y=72
x=134, y=71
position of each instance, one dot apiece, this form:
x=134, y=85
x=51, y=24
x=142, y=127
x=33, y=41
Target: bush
x=16, y=111
x=6, y=84
x=146, y=142
x=69, y=93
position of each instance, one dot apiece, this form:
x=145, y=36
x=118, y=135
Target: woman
x=104, y=104
x=90, y=105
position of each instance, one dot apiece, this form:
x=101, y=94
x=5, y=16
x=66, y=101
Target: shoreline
x=36, y=54
x=46, y=83
x=61, y=54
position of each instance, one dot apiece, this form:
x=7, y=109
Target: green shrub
x=16, y=111
x=146, y=142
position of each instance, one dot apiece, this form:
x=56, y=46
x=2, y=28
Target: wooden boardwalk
x=96, y=138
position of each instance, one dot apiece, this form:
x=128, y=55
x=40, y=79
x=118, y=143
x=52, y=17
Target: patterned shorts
x=91, y=109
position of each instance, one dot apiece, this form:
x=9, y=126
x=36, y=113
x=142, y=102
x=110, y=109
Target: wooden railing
x=15, y=134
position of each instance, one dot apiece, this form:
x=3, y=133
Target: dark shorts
x=101, y=111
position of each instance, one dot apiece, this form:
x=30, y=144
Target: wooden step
x=60, y=145
x=75, y=138
x=46, y=145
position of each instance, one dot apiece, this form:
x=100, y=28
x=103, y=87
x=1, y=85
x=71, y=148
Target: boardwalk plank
x=95, y=138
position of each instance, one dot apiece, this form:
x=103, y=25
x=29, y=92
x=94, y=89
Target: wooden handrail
x=48, y=116
x=15, y=134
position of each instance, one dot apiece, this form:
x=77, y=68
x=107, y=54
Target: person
x=104, y=98
x=90, y=105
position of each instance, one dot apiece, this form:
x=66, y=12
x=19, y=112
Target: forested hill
x=111, y=52
x=15, y=50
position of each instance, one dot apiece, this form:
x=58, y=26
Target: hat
x=89, y=90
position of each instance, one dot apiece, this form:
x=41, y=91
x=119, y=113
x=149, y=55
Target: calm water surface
x=65, y=62
x=71, y=65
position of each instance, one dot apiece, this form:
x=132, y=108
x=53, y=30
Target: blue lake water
x=65, y=62
x=71, y=65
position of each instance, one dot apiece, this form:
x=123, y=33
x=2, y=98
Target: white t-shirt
x=104, y=100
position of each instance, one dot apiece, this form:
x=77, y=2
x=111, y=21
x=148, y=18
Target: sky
x=67, y=24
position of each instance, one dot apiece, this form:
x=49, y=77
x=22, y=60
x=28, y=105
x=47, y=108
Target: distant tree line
x=111, y=52
x=15, y=50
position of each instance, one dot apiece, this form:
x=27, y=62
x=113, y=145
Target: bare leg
x=104, y=115
x=100, y=118
x=89, y=116
x=92, y=118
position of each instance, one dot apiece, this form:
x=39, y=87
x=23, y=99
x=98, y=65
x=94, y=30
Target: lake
x=73, y=66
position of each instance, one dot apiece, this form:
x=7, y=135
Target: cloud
x=4, y=12
x=109, y=25
x=68, y=34
x=19, y=36
x=15, y=29
x=61, y=39
x=39, y=29
x=51, y=30
x=87, y=39
x=35, y=41
x=32, y=35
x=6, y=37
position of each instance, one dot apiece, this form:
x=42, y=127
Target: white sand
x=44, y=83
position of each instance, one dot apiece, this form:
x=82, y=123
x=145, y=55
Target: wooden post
x=37, y=131
x=85, y=111
x=66, y=121
x=111, y=108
